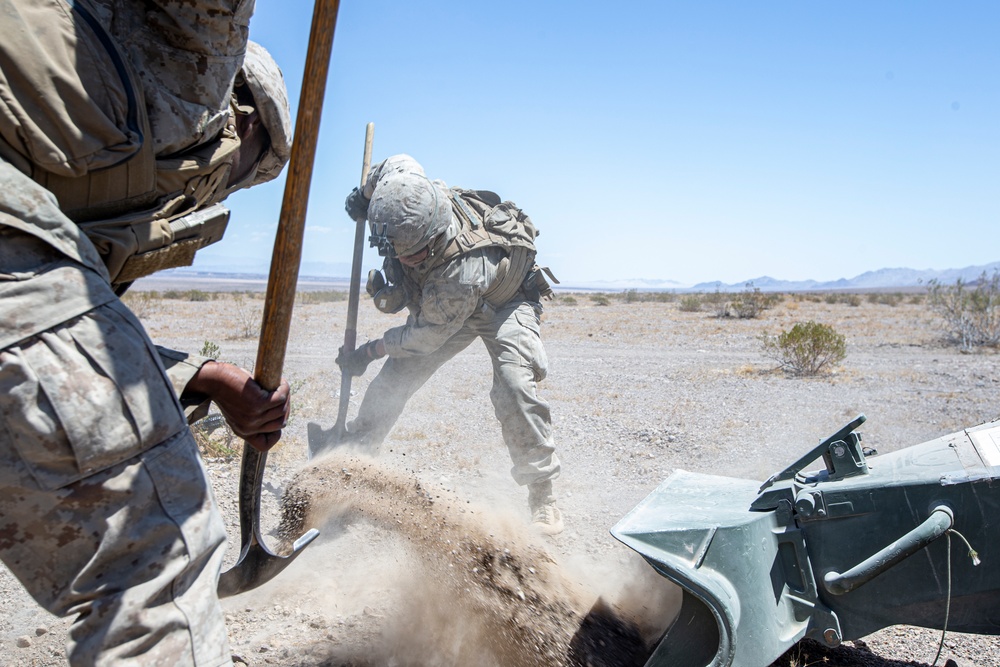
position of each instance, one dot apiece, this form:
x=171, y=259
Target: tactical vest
x=73, y=118
x=486, y=221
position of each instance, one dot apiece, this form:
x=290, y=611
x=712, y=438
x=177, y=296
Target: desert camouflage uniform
x=106, y=512
x=447, y=313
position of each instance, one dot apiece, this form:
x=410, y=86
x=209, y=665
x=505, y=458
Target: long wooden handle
x=256, y=563
x=287, y=255
x=367, y=162
x=354, y=293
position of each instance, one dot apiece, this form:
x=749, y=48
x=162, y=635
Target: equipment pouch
x=536, y=287
x=72, y=114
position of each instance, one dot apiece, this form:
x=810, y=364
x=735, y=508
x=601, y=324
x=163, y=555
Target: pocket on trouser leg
x=149, y=594
x=529, y=341
x=84, y=396
x=181, y=484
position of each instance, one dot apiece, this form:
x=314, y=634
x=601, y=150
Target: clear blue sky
x=688, y=141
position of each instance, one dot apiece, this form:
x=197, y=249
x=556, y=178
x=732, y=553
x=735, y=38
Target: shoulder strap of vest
x=473, y=208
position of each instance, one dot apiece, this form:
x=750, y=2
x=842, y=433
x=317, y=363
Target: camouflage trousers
x=106, y=513
x=512, y=336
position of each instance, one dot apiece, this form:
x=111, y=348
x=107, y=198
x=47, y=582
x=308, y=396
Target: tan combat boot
x=545, y=516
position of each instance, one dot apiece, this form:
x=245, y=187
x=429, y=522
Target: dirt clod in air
x=489, y=592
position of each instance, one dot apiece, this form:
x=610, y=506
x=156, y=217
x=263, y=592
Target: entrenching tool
x=257, y=564
x=351, y=330
x=832, y=555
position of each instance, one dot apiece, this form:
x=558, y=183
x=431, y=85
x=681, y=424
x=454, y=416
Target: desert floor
x=425, y=556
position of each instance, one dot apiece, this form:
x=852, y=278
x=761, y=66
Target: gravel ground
x=637, y=390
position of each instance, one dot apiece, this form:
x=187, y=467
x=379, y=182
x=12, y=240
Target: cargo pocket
x=530, y=340
x=84, y=396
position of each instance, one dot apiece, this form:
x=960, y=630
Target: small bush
x=248, y=316
x=197, y=295
x=568, y=300
x=751, y=302
x=143, y=304
x=853, y=300
x=600, y=299
x=215, y=437
x=746, y=305
x=210, y=350
x=635, y=296
x=321, y=296
x=690, y=303
x=806, y=349
x=971, y=311
x=889, y=299
x=717, y=302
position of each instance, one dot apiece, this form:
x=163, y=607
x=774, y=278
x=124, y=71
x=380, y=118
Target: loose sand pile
x=489, y=592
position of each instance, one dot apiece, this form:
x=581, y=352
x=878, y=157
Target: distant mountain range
x=881, y=279
x=870, y=280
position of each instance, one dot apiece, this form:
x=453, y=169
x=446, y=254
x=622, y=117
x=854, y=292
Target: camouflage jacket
x=187, y=53
x=441, y=300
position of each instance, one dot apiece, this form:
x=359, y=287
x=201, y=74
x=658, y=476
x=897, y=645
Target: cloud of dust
x=478, y=588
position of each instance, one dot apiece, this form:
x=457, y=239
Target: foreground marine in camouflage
x=122, y=125
x=462, y=262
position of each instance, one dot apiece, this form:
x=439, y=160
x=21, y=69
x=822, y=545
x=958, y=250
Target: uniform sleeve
x=448, y=299
x=181, y=367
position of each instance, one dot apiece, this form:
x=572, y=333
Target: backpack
x=487, y=221
x=72, y=114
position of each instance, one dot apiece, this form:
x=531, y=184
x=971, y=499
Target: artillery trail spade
x=257, y=564
x=833, y=554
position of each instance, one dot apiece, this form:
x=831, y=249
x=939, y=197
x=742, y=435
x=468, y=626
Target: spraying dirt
x=489, y=591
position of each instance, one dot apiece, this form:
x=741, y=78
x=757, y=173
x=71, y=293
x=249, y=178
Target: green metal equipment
x=834, y=554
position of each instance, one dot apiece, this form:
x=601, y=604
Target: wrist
x=202, y=380
x=373, y=349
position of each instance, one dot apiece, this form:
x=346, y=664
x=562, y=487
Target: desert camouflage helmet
x=412, y=208
x=267, y=85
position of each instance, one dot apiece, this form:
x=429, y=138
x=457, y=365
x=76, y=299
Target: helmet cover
x=413, y=210
x=267, y=85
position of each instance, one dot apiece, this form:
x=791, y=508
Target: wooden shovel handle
x=284, y=275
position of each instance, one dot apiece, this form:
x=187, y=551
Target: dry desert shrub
x=247, y=321
x=320, y=296
x=215, y=438
x=600, y=299
x=142, y=304
x=806, y=349
x=751, y=303
x=971, y=311
x=690, y=303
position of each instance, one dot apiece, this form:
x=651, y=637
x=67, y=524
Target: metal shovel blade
x=256, y=564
